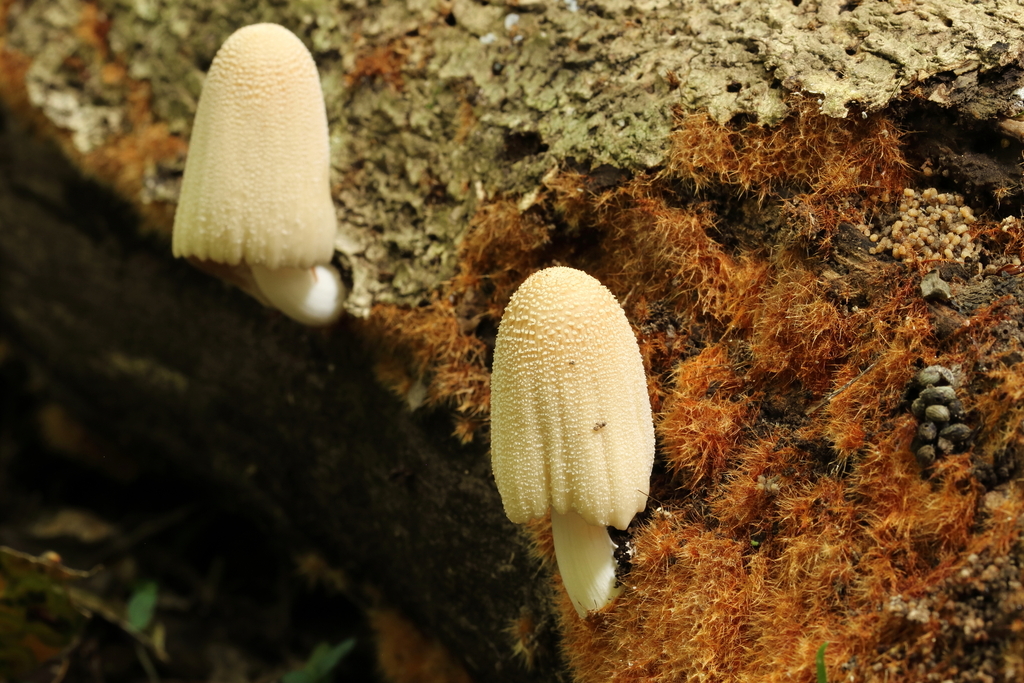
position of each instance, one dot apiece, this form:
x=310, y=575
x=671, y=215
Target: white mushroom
x=571, y=423
x=256, y=189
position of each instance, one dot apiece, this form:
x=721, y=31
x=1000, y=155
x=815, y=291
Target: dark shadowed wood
x=176, y=368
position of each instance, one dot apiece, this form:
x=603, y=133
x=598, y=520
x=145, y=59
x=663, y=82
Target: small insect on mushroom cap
x=571, y=423
x=256, y=187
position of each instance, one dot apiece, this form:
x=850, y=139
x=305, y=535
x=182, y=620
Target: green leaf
x=820, y=659
x=321, y=663
x=325, y=658
x=142, y=605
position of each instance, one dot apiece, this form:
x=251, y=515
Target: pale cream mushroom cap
x=256, y=188
x=571, y=419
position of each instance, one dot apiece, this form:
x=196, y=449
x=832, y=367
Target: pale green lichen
x=59, y=82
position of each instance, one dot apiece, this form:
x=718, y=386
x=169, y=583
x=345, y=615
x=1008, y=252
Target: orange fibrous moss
x=699, y=595
x=822, y=155
x=799, y=333
x=1002, y=413
x=449, y=362
x=793, y=511
x=655, y=250
x=713, y=604
x=835, y=169
x=436, y=344
x=502, y=248
x=1000, y=410
x=704, y=418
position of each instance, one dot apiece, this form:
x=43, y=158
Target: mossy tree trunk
x=473, y=142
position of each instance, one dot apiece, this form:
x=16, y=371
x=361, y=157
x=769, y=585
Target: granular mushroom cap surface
x=256, y=186
x=571, y=423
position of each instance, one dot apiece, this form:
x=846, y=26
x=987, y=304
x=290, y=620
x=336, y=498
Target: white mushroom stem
x=312, y=296
x=586, y=561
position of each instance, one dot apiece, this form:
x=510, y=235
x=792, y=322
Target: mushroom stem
x=312, y=296
x=586, y=561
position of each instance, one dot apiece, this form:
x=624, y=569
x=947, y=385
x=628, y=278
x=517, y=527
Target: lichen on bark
x=437, y=106
x=89, y=106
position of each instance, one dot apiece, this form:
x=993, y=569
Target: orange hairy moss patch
x=704, y=417
x=1001, y=412
x=698, y=595
x=440, y=344
x=820, y=154
x=825, y=556
x=878, y=372
x=833, y=169
x=450, y=362
x=502, y=248
x=663, y=252
x=792, y=510
x=798, y=334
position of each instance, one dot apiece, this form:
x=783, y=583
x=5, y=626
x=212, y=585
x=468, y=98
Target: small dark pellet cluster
x=935, y=404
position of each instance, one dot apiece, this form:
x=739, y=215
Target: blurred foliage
x=37, y=618
x=321, y=663
x=141, y=605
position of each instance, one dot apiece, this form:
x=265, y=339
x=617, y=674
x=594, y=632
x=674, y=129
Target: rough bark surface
x=438, y=106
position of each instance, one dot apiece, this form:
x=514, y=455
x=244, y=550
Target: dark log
x=166, y=361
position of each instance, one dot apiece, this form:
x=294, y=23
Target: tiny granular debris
x=970, y=615
x=928, y=225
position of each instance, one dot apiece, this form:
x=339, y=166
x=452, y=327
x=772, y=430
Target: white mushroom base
x=312, y=296
x=586, y=561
